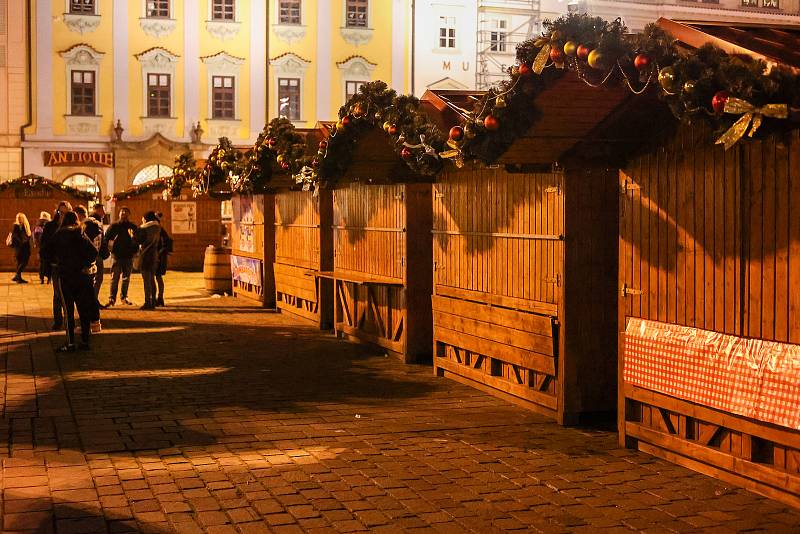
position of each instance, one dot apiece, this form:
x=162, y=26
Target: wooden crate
x=523, y=304
x=253, y=236
x=189, y=242
x=382, y=266
x=711, y=239
x=303, y=249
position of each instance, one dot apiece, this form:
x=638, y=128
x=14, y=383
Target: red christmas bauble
x=405, y=153
x=456, y=133
x=491, y=123
x=271, y=142
x=583, y=52
x=524, y=69
x=557, y=54
x=323, y=145
x=346, y=120
x=284, y=165
x=392, y=129
x=718, y=101
x=641, y=61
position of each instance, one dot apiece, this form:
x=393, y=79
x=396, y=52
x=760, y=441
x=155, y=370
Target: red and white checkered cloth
x=749, y=377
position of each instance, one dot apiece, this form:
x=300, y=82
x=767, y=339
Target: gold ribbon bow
x=455, y=155
x=541, y=58
x=751, y=117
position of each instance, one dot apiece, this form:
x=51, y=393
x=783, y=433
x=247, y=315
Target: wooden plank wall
x=497, y=238
x=263, y=228
x=369, y=223
x=498, y=259
x=711, y=239
x=303, y=248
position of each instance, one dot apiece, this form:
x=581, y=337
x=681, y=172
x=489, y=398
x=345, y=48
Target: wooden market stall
x=524, y=303
x=31, y=195
x=710, y=298
x=382, y=252
x=194, y=223
x=253, y=247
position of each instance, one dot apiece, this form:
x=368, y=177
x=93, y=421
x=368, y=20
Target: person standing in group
x=38, y=230
x=122, y=245
x=99, y=215
x=164, y=250
x=74, y=256
x=20, y=240
x=149, y=239
x=46, y=255
x=94, y=232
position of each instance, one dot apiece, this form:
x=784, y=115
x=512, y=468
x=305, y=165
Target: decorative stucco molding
x=157, y=27
x=159, y=125
x=289, y=64
x=81, y=23
x=223, y=29
x=158, y=59
x=83, y=125
x=82, y=55
x=357, y=67
x=223, y=128
x=289, y=33
x=223, y=63
x=357, y=36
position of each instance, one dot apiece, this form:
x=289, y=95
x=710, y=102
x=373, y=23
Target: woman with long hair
x=21, y=242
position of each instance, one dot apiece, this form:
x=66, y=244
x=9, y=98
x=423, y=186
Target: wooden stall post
x=303, y=249
x=253, y=247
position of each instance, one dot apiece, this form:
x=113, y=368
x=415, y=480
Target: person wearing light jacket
x=148, y=237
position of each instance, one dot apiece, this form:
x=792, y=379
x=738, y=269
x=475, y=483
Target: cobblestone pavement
x=216, y=416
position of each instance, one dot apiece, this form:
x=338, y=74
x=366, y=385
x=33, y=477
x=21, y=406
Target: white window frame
x=158, y=61
x=169, y=14
x=83, y=58
x=289, y=33
x=447, y=26
x=237, y=15
x=223, y=64
x=289, y=65
x=67, y=6
x=357, y=36
x=494, y=27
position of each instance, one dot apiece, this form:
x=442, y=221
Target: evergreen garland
x=223, y=161
x=34, y=181
x=279, y=147
x=184, y=172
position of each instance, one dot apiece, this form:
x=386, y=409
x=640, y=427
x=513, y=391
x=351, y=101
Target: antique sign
x=246, y=270
x=66, y=158
x=184, y=217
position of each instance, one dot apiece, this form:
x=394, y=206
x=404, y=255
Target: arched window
x=152, y=172
x=83, y=182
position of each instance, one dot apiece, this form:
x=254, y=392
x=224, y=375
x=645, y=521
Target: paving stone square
x=214, y=415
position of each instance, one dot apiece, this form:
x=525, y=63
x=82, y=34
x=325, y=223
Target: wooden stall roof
x=774, y=44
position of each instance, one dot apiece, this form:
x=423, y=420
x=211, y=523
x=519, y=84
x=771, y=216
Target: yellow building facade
x=138, y=81
x=14, y=104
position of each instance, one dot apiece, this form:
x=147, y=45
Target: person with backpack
x=163, y=253
x=38, y=230
x=123, y=247
x=47, y=255
x=74, y=255
x=148, y=236
x=20, y=240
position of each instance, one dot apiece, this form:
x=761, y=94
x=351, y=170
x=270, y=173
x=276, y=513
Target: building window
x=223, y=10
x=750, y=3
x=83, y=182
x=497, y=36
x=289, y=12
x=81, y=7
x=223, y=97
x=773, y=4
x=158, y=9
x=158, y=95
x=82, y=89
x=357, y=13
x=289, y=98
x=447, y=32
x=152, y=172
x=351, y=88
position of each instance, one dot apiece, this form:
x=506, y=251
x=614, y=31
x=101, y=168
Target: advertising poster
x=247, y=238
x=246, y=270
x=184, y=217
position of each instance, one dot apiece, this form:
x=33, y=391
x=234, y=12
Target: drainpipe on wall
x=28, y=81
x=413, y=44
x=266, y=67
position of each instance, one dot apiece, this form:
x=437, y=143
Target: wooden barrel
x=217, y=270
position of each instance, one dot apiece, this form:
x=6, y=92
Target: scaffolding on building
x=502, y=25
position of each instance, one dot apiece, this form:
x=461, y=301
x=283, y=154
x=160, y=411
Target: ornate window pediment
x=357, y=67
x=289, y=63
x=81, y=23
x=158, y=59
x=157, y=27
x=223, y=63
x=82, y=55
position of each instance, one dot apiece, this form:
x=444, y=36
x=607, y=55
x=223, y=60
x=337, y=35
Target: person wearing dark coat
x=44, y=269
x=148, y=237
x=163, y=253
x=46, y=255
x=94, y=232
x=123, y=246
x=21, y=242
x=74, y=256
